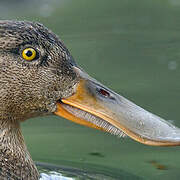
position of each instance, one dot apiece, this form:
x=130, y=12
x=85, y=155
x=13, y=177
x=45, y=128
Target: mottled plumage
x=28, y=89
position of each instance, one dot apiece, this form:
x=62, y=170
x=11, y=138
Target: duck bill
x=96, y=106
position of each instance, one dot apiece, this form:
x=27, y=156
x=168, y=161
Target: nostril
x=103, y=92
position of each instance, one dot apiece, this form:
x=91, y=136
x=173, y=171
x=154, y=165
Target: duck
x=39, y=77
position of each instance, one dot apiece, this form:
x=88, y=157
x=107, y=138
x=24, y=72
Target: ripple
x=54, y=176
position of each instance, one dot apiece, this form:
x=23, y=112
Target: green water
x=133, y=47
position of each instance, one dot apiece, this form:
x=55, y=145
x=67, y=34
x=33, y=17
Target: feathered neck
x=15, y=160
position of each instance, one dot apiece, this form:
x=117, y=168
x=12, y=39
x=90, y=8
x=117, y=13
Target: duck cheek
x=51, y=108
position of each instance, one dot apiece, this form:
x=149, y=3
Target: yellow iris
x=29, y=54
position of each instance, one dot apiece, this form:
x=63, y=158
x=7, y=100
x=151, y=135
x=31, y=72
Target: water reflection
x=53, y=175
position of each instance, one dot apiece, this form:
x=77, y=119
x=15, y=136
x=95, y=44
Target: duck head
x=36, y=70
x=38, y=76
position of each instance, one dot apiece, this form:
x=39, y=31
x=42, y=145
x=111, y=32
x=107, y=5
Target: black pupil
x=29, y=53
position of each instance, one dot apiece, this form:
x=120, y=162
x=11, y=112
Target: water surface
x=132, y=46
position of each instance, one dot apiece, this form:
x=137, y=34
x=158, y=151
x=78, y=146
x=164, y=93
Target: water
x=132, y=46
x=59, y=172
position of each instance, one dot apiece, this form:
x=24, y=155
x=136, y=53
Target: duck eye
x=29, y=54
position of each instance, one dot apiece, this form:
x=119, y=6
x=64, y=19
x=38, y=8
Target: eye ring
x=29, y=54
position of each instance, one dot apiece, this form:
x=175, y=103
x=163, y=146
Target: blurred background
x=133, y=47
